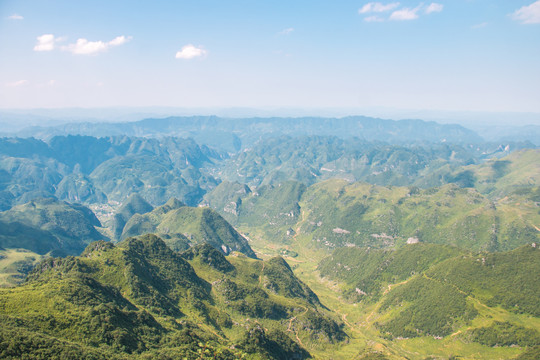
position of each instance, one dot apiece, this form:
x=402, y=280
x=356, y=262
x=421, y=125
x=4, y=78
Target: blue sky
x=462, y=55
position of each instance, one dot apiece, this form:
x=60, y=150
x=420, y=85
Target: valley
x=298, y=245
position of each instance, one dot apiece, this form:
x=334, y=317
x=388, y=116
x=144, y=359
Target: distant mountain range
x=233, y=134
x=96, y=170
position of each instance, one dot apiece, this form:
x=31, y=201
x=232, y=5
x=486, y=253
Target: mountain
x=100, y=170
x=226, y=198
x=41, y=228
x=336, y=213
x=143, y=300
x=367, y=270
x=520, y=133
x=373, y=246
x=108, y=170
x=135, y=204
x=436, y=291
x=182, y=226
x=272, y=207
x=518, y=171
x=232, y=134
x=310, y=159
x=43, y=225
x=77, y=187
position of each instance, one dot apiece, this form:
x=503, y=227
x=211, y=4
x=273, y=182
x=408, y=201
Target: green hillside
x=141, y=298
x=15, y=264
x=501, y=177
x=495, y=177
x=434, y=300
x=370, y=250
x=135, y=204
x=182, y=226
x=366, y=270
x=96, y=170
x=43, y=225
x=79, y=188
x=310, y=159
x=335, y=213
x=507, y=279
x=226, y=199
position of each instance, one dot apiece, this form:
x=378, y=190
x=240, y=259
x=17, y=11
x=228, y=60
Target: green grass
x=182, y=226
x=362, y=317
x=134, y=296
x=15, y=264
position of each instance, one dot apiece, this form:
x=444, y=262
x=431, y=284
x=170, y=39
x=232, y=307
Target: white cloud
x=286, y=31
x=377, y=7
x=85, y=47
x=119, y=40
x=528, y=14
x=45, y=43
x=190, y=51
x=15, y=17
x=397, y=12
x=434, y=7
x=17, y=83
x=405, y=14
x=373, y=18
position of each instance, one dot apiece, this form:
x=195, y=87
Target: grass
x=12, y=261
x=359, y=318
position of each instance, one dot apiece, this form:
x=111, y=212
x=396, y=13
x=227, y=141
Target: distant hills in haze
x=96, y=170
x=489, y=125
x=233, y=134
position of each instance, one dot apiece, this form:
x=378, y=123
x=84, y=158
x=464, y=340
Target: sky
x=458, y=55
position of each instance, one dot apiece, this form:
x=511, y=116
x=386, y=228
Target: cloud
x=85, y=47
x=405, y=14
x=17, y=83
x=373, y=18
x=398, y=13
x=528, y=14
x=45, y=43
x=377, y=7
x=286, y=31
x=190, y=51
x=15, y=17
x=434, y=7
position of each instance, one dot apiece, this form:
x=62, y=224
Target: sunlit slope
x=182, y=226
x=43, y=225
x=430, y=300
x=516, y=172
x=336, y=213
x=141, y=298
